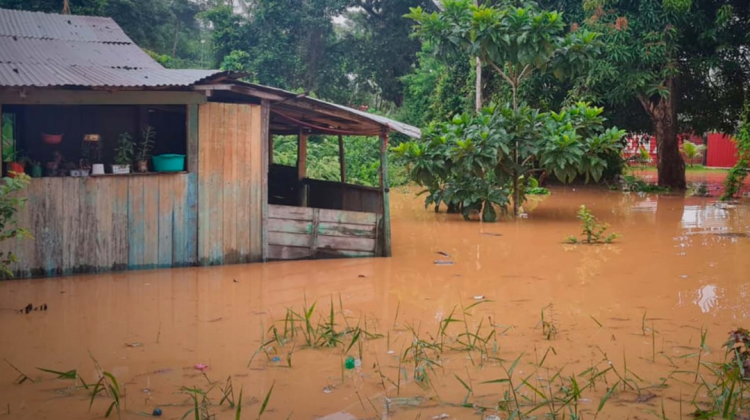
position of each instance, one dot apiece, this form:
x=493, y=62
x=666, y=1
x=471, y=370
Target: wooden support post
x=302, y=167
x=385, y=191
x=265, y=120
x=270, y=146
x=342, y=159
x=301, y=155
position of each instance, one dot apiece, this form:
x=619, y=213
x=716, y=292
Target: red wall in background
x=722, y=152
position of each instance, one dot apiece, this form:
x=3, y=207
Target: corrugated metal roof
x=61, y=27
x=62, y=53
x=405, y=129
x=49, y=75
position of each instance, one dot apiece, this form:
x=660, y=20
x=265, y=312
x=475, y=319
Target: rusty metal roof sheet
x=61, y=27
x=62, y=53
x=53, y=75
x=49, y=50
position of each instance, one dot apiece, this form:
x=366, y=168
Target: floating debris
x=479, y=297
x=276, y=359
x=645, y=397
x=492, y=417
x=327, y=389
x=404, y=401
x=445, y=254
x=490, y=234
x=440, y=416
x=361, y=276
x=349, y=363
x=157, y=412
x=443, y=262
x=134, y=344
x=201, y=367
x=390, y=352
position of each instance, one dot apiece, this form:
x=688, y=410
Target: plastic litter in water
x=390, y=352
x=157, y=412
x=276, y=359
x=479, y=297
x=201, y=367
x=358, y=363
x=327, y=390
x=440, y=416
x=443, y=262
x=349, y=363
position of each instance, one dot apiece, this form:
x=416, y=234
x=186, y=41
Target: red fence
x=722, y=152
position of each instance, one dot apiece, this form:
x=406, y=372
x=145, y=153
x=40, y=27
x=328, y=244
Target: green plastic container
x=169, y=163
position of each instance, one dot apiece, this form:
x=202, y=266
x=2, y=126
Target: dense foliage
x=738, y=173
x=494, y=152
x=10, y=205
x=470, y=164
x=361, y=155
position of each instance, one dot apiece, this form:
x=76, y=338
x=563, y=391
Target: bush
x=10, y=205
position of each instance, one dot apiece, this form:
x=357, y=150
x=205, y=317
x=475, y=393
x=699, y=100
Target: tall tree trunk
x=478, y=86
x=670, y=165
x=176, y=39
x=66, y=7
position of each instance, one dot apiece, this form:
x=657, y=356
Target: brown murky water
x=684, y=263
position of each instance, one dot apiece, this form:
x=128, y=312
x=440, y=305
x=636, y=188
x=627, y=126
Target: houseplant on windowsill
x=144, y=148
x=36, y=168
x=15, y=166
x=123, y=154
x=92, y=153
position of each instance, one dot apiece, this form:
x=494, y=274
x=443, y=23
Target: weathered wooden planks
x=230, y=161
x=84, y=225
x=296, y=232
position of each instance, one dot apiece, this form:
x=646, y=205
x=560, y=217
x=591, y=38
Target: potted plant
x=15, y=166
x=123, y=154
x=92, y=154
x=144, y=148
x=36, y=168
x=53, y=167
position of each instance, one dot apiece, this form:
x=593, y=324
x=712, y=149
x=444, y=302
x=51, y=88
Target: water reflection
x=707, y=298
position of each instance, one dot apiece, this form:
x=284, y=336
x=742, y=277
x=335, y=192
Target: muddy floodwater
x=458, y=302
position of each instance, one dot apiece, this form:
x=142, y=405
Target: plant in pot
x=123, y=154
x=15, y=165
x=36, y=168
x=54, y=167
x=144, y=148
x=91, y=154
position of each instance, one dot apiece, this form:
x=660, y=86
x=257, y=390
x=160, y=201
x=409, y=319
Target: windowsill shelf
x=132, y=174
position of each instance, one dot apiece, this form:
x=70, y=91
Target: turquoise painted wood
x=90, y=225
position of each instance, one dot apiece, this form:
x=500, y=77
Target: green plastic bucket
x=169, y=163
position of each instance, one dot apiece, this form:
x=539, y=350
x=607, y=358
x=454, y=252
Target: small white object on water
x=684, y=276
x=524, y=215
x=390, y=352
x=492, y=417
x=479, y=297
x=327, y=390
x=440, y=417
x=358, y=363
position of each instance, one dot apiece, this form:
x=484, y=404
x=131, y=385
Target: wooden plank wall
x=304, y=232
x=84, y=225
x=230, y=161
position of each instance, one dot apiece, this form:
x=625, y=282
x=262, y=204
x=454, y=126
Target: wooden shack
x=78, y=75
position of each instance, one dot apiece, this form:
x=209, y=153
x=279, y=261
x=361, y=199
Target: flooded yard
x=459, y=304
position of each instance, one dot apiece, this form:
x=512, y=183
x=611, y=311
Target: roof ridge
x=39, y=12
x=83, y=41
